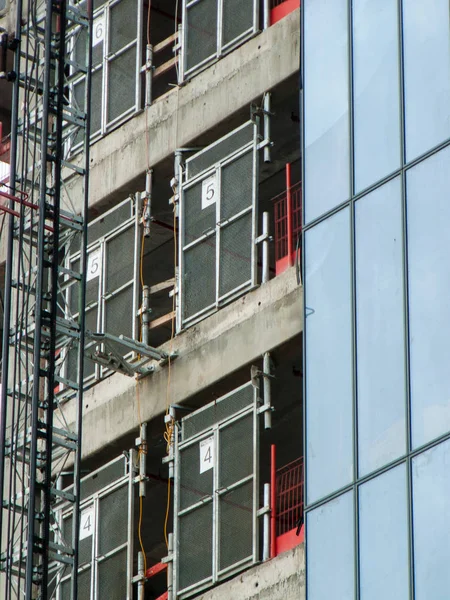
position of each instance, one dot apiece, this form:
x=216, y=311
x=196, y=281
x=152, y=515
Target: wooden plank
x=165, y=42
x=164, y=285
x=161, y=320
x=165, y=67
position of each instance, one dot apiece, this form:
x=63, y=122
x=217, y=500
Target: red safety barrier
x=281, y=8
x=287, y=529
x=288, y=224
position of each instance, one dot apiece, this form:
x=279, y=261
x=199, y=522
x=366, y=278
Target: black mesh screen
x=122, y=24
x=112, y=577
x=201, y=32
x=236, y=451
x=217, y=411
x=236, y=525
x=237, y=18
x=237, y=186
x=195, y=546
x=199, y=283
x=120, y=313
x=120, y=259
x=122, y=84
x=193, y=485
x=113, y=520
x=197, y=221
x=219, y=151
x=235, y=266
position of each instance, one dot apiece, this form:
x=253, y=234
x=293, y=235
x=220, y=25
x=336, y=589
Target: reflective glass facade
x=376, y=181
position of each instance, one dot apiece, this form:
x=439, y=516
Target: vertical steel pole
x=145, y=313
x=143, y=460
x=267, y=391
x=141, y=575
x=82, y=316
x=170, y=567
x=266, y=523
x=265, y=248
x=289, y=213
x=267, y=157
x=273, y=501
x=148, y=75
x=266, y=16
x=5, y=372
x=147, y=209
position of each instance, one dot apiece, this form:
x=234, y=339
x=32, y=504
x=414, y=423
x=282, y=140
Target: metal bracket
x=263, y=238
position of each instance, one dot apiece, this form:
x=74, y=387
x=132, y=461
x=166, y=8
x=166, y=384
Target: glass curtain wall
x=376, y=149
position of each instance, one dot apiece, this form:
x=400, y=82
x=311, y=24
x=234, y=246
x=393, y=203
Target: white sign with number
x=206, y=454
x=209, y=191
x=87, y=522
x=99, y=30
x=94, y=264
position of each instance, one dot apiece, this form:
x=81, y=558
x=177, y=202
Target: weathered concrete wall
x=184, y=113
x=216, y=347
x=282, y=578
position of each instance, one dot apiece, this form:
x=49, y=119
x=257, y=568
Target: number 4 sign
x=206, y=454
x=87, y=523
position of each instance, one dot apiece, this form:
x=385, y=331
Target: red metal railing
x=286, y=505
x=281, y=8
x=289, y=496
x=288, y=225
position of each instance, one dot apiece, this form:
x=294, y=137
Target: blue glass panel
x=328, y=330
x=376, y=89
x=383, y=537
x=428, y=209
x=431, y=517
x=330, y=550
x=427, y=74
x=326, y=106
x=380, y=327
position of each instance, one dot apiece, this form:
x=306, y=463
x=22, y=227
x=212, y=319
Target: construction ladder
x=39, y=438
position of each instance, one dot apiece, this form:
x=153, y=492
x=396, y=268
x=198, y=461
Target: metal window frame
x=108, y=57
x=221, y=49
x=101, y=243
x=217, y=575
x=186, y=184
x=127, y=480
x=402, y=171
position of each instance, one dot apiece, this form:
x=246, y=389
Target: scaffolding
x=36, y=440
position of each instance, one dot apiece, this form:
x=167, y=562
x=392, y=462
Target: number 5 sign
x=209, y=191
x=94, y=263
x=206, y=454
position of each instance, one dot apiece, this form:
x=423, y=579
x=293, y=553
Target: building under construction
x=150, y=244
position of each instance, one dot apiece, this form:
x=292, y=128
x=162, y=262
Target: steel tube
x=148, y=75
x=265, y=248
x=290, y=246
x=145, y=313
x=273, y=501
x=82, y=299
x=266, y=151
x=170, y=567
x=141, y=575
x=266, y=15
x=267, y=391
x=143, y=461
x=266, y=523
